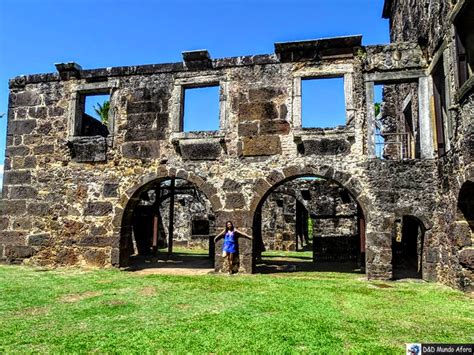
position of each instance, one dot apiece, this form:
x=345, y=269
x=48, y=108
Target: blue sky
x=35, y=34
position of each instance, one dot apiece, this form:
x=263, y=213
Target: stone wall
x=433, y=26
x=286, y=211
x=70, y=200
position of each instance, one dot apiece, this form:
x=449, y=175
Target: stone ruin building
x=393, y=184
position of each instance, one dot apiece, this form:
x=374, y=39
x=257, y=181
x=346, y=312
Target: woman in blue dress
x=230, y=247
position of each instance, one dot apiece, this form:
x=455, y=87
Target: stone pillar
x=379, y=248
x=243, y=222
x=425, y=124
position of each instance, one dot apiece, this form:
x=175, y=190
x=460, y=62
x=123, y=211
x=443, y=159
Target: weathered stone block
x=38, y=208
x=235, y=201
x=110, y=189
x=18, y=127
x=141, y=120
x=265, y=93
x=325, y=146
x=98, y=209
x=19, y=151
x=22, y=192
x=95, y=257
x=4, y=221
x=55, y=111
x=43, y=149
x=231, y=185
x=248, y=129
x=257, y=111
x=88, y=149
x=13, y=207
x=200, y=149
x=275, y=127
x=12, y=237
x=27, y=98
x=19, y=252
x=261, y=145
x=141, y=150
x=29, y=162
x=38, y=240
x=38, y=112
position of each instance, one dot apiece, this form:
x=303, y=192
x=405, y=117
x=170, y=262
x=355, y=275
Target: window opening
x=322, y=103
x=201, y=109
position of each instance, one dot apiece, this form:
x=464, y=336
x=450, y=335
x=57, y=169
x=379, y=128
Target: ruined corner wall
x=430, y=24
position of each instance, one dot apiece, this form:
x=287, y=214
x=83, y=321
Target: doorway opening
x=407, y=249
x=308, y=223
x=169, y=223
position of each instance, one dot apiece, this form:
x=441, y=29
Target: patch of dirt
x=33, y=311
x=173, y=271
x=80, y=296
x=382, y=285
x=148, y=291
x=104, y=282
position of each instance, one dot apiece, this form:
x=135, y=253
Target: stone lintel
x=394, y=77
x=68, y=70
x=201, y=148
x=324, y=146
x=197, y=59
x=317, y=48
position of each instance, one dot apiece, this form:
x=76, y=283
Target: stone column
x=426, y=127
x=379, y=247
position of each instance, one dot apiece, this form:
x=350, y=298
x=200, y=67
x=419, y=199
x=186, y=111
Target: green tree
x=378, y=107
x=103, y=111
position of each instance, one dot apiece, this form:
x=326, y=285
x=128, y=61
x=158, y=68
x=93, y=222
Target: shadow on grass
x=268, y=266
x=173, y=261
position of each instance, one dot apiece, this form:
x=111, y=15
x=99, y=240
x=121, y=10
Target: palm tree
x=103, y=111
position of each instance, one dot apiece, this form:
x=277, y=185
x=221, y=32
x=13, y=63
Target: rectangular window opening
x=465, y=42
x=439, y=89
x=94, y=115
x=201, y=109
x=379, y=138
x=323, y=103
x=396, y=121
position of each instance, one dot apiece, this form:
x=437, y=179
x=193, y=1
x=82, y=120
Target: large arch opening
x=407, y=249
x=464, y=233
x=168, y=223
x=307, y=223
x=465, y=210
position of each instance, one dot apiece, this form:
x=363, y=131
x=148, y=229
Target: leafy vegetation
x=72, y=310
x=102, y=110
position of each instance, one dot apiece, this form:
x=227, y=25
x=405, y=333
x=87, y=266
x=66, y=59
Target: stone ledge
x=322, y=141
x=88, y=149
x=204, y=145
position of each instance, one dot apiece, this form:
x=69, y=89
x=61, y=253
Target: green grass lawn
x=72, y=310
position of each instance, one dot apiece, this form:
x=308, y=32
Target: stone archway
x=265, y=186
x=464, y=233
x=124, y=213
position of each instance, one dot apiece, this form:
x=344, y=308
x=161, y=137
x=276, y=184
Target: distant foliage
x=103, y=111
x=310, y=228
x=377, y=107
